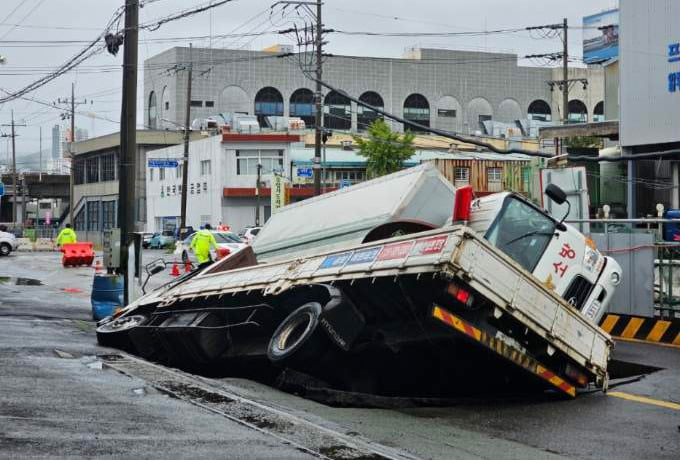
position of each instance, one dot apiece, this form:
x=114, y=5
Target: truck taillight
x=461, y=207
x=460, y=294
x=577, y=376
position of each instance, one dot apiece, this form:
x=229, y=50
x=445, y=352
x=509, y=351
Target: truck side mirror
x=558, y=196
x=555, y=193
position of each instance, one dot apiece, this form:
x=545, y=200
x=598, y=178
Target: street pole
x=14, y=174
x=41, y=168
x=72, y=154
x=319, y=105
x=257, y=192
x=565, y=74
x=185, y=163
x=128, y=141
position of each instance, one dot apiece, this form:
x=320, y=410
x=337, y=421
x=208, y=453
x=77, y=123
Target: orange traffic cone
x=187, y=266
x=175, y=270
x=98, y=267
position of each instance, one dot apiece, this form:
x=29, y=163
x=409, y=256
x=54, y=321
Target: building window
x=161, y=173
x=167, y=105
x=337, y=111
x=210, y=103
x=461, y=176
x=79, y=173
x=417, y=109
x=578, y=113
x=108, y=214
x=353, y=176
x=598, y=112
x=483, y=118
x=197, y=103
x=151, y=174
x=178, y=171
x=92, y=170
x=366, y=116
x=268, y=103
x=46, y=205
x=302, y=106
x=446, y=113
x=247, y=161
x=153, y=111
x=205, y=167
x=205, y=186
x=494, y=179
x=93, y=215
x=80, y=220
x=108, y=167
x=539, y=110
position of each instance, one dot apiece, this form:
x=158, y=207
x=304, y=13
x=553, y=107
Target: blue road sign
x=345, y=183
x=2, y=189
x=163, y=163
x=305, y=172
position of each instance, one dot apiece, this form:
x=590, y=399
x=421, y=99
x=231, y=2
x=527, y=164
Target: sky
x=98, y=80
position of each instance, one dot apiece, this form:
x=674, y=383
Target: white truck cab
x=555, y=253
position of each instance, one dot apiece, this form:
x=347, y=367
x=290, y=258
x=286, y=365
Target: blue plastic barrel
x=107, y=295
x=671, y=232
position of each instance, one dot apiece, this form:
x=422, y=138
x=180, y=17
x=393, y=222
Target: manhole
x=19, y=281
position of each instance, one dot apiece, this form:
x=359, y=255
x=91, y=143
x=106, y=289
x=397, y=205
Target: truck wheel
x=115, y=333
x=5, y=249
x=294, y=332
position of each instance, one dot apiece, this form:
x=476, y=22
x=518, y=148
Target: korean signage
x=674, y=75
x=158, y=163
x=278, y=192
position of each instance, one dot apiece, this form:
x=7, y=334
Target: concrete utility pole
x=71, y=104
x=565, y=73
x=187, y=131
x=318, y=120
x=15, y=186
x=128, y=140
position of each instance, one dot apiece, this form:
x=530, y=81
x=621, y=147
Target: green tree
x=385, y=151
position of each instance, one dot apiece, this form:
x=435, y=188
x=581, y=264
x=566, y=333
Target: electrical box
x=112, y=248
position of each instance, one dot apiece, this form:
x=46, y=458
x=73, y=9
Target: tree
x=385, y=151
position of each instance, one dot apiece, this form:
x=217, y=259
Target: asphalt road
x=58, y=399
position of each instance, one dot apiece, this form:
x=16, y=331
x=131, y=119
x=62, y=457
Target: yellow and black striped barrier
x=637, y=328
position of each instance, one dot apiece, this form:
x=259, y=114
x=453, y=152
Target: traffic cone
x=175, y=270
x=98, y=267
x=187, y=266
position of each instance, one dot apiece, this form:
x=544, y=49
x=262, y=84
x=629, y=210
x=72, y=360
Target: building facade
x=451, y=90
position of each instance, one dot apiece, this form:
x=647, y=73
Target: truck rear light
x=460, y=294
x=461, y=207
x=577, y=376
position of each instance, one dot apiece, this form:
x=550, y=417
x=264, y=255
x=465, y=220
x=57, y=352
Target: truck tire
x=294, y=332
x=5, y=249
x=114, y=334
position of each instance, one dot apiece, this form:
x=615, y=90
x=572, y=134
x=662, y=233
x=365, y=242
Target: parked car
x=162, y=240
x=146, y=240
x=248, y=234
x=229, y=240
x=8, y=243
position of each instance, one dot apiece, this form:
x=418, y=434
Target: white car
x=249, y=233
x=8, y=243
x=229, y=240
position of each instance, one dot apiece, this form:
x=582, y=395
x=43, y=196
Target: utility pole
x=71, y=104
x=41, y=168
x=128, y=141
x=15, y=186
x=318, y=120
x=565, y=73
x=185, y=162
x=258, y=192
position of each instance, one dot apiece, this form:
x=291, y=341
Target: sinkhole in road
x=623, y=369
x=20, y=281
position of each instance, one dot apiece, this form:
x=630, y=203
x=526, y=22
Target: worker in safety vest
x=201, y=244
x=67, y=235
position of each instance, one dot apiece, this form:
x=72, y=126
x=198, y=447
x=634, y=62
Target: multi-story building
x=452, y=90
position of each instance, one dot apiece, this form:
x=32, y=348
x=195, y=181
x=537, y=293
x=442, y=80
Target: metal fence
x=651, y=265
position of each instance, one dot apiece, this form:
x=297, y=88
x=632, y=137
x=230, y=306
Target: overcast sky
x=30, y=20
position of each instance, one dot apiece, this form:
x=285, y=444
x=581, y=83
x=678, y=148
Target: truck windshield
x=522, y=232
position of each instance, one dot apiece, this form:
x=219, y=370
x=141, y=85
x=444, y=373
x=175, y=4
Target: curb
x=641, y=329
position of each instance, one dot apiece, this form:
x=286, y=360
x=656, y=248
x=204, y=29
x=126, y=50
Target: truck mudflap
x=503, y=349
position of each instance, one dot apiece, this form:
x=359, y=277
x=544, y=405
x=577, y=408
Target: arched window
x=598, y=111
x=366, y=116
x=268, y=103
x=337, y=112
x=153, y=111
x=302, y=106
x=539, y=110
x=578, y=113
x=417, y=109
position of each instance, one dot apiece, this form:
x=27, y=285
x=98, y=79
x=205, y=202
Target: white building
x=222, y=180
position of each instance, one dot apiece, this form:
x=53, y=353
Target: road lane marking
x=609, y=323
x=658, y=331
x=645, y=400
x=632, y=328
